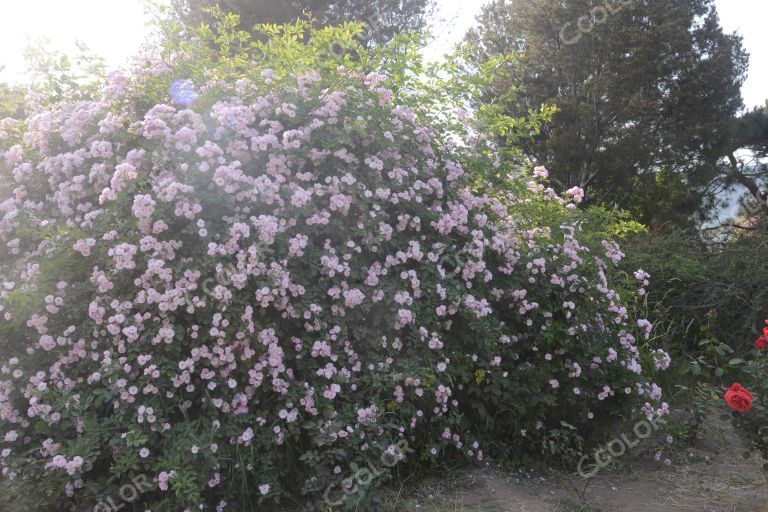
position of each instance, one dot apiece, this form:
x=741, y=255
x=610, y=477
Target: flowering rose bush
x=750, y=411
x=251, y=290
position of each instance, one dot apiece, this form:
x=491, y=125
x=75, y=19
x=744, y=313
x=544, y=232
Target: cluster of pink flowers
x=281, y=268
x=72, y=467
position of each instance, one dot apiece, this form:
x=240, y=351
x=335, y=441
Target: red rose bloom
x=738, y=398
x=762, y=342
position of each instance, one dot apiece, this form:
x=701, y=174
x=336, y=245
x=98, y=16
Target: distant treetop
x=384, y=18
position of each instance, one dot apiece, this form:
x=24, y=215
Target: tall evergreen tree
x=646, y=89
x=752, y=131
x=384, y=18
x=746, y=159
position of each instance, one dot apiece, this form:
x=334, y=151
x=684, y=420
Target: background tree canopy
x=385, y=18
x=646, y=93
x=746, y=160
x=11, y=101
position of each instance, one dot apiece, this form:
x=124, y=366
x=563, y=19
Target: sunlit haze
x=116, y=28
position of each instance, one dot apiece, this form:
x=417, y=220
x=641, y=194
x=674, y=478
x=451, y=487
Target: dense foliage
x=383, y=18
x=749, y=402
x=646, y=93
x=11, y=101
x=747, y=169
x=248, y=279
x=703, y=290
x=708, y=301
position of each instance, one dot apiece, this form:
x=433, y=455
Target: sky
x=116, y=28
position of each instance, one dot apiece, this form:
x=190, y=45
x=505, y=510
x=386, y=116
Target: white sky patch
x=116, y=28
x=748, y=18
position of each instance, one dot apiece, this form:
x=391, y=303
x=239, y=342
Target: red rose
x=738, y=398
x=765, y=332
x=762, y=342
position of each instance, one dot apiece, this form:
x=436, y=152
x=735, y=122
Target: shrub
x=707, y=297
x=271, y=290
x=747, y=400
x=703, y=291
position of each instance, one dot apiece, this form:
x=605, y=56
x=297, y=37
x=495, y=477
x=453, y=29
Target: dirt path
x=711, y=477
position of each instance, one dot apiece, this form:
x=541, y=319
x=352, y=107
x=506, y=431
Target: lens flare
x=183, y=92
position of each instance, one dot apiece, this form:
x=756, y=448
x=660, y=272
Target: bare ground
x=710, y=477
